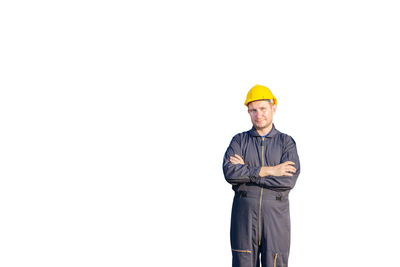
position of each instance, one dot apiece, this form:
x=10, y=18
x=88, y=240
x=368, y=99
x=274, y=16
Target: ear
x=274, y=108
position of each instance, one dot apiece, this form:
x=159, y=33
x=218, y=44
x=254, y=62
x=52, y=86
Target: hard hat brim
x=274, y=101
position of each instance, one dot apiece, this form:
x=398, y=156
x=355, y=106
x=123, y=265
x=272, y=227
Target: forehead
x=259, y=104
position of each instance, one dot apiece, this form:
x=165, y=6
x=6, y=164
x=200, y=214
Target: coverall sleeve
x=284, y=182
x=239, y=173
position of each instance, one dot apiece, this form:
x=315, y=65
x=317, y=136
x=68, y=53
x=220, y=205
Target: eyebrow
x=257, y=108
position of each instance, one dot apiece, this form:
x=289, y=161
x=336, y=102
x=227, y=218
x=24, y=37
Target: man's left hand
x=236, y=159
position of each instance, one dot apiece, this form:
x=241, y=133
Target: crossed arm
x=282, y=176
x=284, y=169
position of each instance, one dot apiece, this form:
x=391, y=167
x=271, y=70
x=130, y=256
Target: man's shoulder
x=284, y=137
x=242, y=135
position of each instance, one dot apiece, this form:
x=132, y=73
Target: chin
x=260, y=127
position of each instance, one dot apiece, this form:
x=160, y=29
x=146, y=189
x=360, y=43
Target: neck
x=264, y=131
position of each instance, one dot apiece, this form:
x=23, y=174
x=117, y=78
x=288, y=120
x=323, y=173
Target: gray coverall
x=260, y=221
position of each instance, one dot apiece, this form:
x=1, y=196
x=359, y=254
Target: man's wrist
x=266, y=171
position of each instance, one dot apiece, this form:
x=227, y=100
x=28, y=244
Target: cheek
x=269, y=114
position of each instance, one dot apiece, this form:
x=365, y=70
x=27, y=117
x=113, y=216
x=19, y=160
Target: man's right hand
x=284, y=169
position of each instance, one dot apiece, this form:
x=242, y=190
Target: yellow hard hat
x=260, y=92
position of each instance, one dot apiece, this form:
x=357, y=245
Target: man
x=262, y=165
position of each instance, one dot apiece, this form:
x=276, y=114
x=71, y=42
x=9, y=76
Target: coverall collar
x=274, y=131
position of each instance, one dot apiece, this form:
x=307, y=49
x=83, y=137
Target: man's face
x=261, y=113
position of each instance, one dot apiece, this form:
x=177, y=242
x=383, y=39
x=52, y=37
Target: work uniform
x=260, y=222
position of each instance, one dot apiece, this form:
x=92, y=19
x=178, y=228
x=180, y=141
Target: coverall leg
x=260, y=224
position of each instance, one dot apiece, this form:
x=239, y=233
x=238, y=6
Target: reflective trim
x=276, y=257
x=242, y=250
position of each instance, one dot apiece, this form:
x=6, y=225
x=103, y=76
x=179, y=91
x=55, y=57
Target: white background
x=115, y=116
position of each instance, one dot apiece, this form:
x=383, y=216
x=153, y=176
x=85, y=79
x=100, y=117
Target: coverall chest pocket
x=252, y=154
x=273, y=153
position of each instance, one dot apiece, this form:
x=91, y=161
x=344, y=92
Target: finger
x=239, y=158
x=289, y=163
x=234, y=161
x=290, y=168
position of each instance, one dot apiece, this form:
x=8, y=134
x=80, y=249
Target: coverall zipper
x=261, y=193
